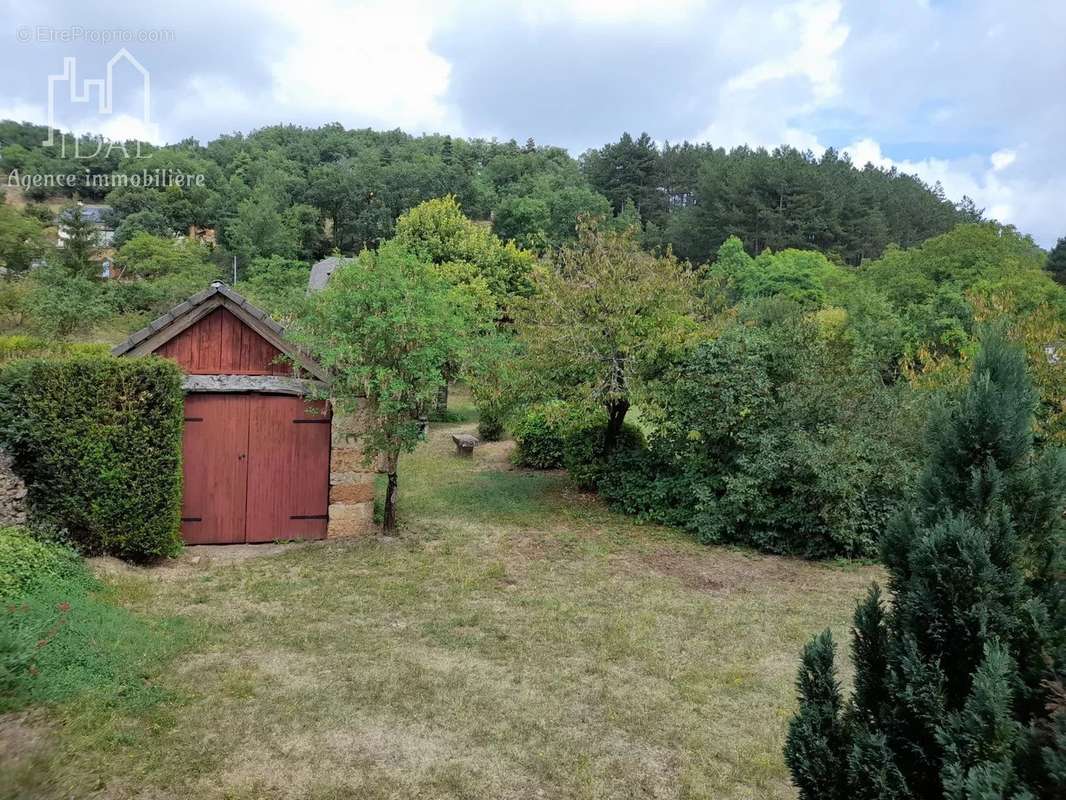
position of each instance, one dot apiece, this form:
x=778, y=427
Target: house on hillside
x=98, y=215
x=262, y=460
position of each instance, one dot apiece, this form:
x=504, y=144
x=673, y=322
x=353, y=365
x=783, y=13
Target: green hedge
x=98, y=441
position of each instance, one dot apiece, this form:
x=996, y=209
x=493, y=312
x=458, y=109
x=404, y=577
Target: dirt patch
x=193, y=558
x=722, y=571
x=21, y=735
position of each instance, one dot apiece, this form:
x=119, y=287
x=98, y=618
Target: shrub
x=490, y=428
x=98, y=442
x=643, y=482
x=17, y=346
x=538, y=434
x=26, y=563
x=771, y=437
x=60, y=304
x=584, y=448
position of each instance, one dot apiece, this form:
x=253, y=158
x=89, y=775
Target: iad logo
x=104, y=91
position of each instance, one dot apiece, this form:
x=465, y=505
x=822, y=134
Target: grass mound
x=61, y=637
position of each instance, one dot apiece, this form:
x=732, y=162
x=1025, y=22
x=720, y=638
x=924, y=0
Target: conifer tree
x=959, y=676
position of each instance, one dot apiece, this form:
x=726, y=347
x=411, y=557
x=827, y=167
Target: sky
x=968, y=92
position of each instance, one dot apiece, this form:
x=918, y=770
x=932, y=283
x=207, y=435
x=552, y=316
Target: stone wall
x=12, y=494
x=351, y=482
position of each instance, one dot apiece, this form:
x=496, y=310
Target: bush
x=26, y=563
x=490, y=428
x=644, y=483
x=584, y=454
x=538, y=433
x=98, y=442
x=771, y=437
x=17, y=346
x=58, y=304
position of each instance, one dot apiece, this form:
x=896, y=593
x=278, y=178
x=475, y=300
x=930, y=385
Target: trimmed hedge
x=98, y=441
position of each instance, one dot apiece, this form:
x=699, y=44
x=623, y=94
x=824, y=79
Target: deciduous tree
x=603, y=318
x=385, y=326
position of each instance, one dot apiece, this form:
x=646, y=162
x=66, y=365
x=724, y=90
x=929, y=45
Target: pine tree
x=1056, y=261
x=958, y=678
x=79, y=243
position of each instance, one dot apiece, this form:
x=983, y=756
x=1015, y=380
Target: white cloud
x=606, y=12
x=1001, y=159
x=798, y=72
x=24, y=112
x=817, y=34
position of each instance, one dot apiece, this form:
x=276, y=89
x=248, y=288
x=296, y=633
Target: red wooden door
x=216, y=468
x=256, y=469
x=288, y=469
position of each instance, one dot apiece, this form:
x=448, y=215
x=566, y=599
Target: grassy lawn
x=516, y=641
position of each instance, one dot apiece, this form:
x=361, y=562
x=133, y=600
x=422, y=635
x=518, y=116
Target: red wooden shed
x=256, y=452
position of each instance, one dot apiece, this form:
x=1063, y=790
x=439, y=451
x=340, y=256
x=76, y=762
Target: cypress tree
x=959, y=676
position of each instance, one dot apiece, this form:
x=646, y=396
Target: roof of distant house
x=321, y=271
x=95, y=213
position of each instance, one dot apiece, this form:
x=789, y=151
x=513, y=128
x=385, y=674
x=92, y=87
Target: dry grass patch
x=517, y=641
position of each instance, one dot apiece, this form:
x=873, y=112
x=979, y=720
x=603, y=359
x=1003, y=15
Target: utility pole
x=234, y=271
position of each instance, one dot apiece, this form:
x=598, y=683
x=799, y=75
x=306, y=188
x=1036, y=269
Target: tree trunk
x=442, y=401
x=616, y=416
x=389, y=522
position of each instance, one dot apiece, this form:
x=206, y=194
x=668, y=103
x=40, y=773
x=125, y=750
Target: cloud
x=960, y=93
x=371, y=63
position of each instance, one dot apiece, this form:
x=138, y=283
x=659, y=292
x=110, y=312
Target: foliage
x=22, y=240
x=80, y=242
x=148, y=256
x=463, y=252
x=604, y=320
x=141, y=222
x=1056, y=261
x=816, y=743
x=19, y=346
x=27, y=564
x=386, y=326
x=302, y=192
x=61, y=303
x=956, y=675
x=786, y=198
x=771, y=436
x=276, y=284
x=493, y=373
x=803, y=276
x=538, y=432
x=98, y=441
x=585, y=451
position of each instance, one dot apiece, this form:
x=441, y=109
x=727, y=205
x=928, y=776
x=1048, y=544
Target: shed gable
x=221, y=344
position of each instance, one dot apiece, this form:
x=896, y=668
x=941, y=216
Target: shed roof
x=321, y=271
x=161, y=330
